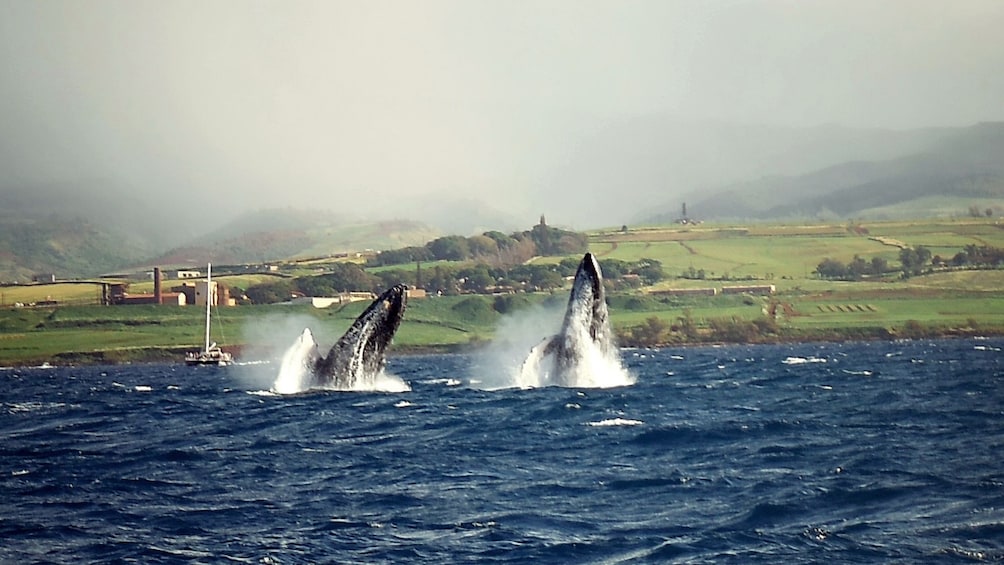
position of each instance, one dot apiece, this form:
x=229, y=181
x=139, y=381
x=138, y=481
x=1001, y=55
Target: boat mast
x=209, y=293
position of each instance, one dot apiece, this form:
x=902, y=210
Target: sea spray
x=296, y=372
x=268, y=340
x=297, y=365
x=516, y=359
x=497, y=365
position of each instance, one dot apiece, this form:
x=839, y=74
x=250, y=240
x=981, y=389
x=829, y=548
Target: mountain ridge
x=966, y=164
x=79, y=228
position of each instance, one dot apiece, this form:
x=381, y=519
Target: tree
x=831, y=269
x=476, y=278
x=272, y=292
x=344, y=277
x=913, y=259
x=569, y=265
x=653, y=331
x=391, y=277
x=649, y=270
x=450, y=248
x=687, y=324
x=482, y=246
x=401, y=256
x=879, y=265
x=544, y=278
x=442, y=280
x=857, y=267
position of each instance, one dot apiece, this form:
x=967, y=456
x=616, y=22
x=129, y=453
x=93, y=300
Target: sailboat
x=211, y=353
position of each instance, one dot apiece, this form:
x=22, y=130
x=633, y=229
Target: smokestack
x=157, y=296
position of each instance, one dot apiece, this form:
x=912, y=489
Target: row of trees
x=479, y=278
x=979, y=256
x=858, y=268
x=493, y=247
x=655, y=331
x=913, y=261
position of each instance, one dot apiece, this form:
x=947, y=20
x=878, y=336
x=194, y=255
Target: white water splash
x=615, y=422
x=516, y=358
x=294, y=369
x=296, y=372
x=803, y=360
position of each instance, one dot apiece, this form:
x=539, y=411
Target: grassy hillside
x=804, y=307
x=75, y=245
x=64, y=246
x=944, y=178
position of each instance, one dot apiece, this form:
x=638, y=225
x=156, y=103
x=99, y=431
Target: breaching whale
x=361, y=352
x=585, y=336
x=354, y=360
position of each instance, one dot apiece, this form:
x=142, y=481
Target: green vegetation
x=645, y=268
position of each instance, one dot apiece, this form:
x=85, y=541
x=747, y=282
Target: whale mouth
x=583, y=352
x=587, y=304
x=361, y=352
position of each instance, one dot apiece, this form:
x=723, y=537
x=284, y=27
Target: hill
x=273, y=235
x=75, y=235
x=962, y=167
x=64, y=246
x=622, y=171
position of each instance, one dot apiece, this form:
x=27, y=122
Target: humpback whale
x=356, y=360
x=585, y=338
x=360, y=353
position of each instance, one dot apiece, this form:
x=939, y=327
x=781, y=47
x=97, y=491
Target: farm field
x=804, y=306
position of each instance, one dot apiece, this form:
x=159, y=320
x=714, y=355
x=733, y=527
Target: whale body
x=585, y=334
x=360, y=354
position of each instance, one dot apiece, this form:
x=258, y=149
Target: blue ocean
x=808, y=453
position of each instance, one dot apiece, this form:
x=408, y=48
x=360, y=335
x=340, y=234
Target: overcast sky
x=273, y=102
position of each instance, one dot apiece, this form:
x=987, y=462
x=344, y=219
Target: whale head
x=361, y=352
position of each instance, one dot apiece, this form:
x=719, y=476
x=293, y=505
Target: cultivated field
x=803, y=307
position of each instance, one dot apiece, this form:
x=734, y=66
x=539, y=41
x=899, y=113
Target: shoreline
x=175, y=355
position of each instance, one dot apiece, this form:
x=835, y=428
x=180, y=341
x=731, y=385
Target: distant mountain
x=616, y=172
x=962, y=165
x=67, y=247
x=459, y=215
x=273, y=235
x=619, y=172
x=73, y=236
x=70, y=233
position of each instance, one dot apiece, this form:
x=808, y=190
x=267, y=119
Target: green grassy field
x=806, y=307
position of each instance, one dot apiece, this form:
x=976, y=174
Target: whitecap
x=615, y=422
x=802, y=360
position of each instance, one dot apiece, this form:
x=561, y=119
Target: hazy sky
x=276, y=102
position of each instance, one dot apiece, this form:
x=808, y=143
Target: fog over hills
x=155, y=125
x=618, y=175
x=962, y=164
x=621, y=171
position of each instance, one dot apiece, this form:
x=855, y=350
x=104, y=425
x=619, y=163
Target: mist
x=389, y=109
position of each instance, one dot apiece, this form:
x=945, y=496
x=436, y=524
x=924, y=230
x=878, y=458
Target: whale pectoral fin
x=531, y=365
x=546, y=347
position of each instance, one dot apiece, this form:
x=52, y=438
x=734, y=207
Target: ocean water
x=810, y=453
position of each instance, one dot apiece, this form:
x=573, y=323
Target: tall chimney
x=157, y=296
